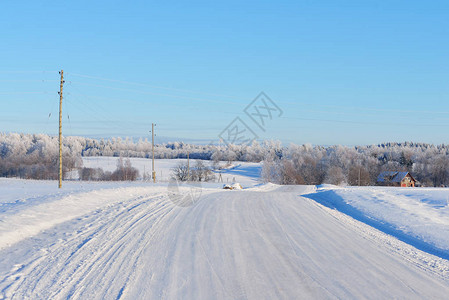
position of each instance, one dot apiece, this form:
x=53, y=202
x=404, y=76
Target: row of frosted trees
x=36, y=156
x=341, y=165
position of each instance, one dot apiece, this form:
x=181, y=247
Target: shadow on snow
x=334, y=201
x=248, y=171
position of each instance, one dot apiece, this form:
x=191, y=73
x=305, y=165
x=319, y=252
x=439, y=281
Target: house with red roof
x=394, y=178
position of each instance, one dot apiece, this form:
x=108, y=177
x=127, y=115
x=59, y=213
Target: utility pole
x=359, y=174
x=188, y=166
x=152, y=147
x=60, y=127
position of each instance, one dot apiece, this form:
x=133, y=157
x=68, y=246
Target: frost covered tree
x=335, y=175
x=180, y=172
x=200, y=172
x=36, y=156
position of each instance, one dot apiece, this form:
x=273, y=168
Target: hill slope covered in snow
x=134, y=240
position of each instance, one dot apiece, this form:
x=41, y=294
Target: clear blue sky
x=343, y=72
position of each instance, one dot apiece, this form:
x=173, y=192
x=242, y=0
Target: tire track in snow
x=106, y=236
x=294, y=246
x=115, y=254
x=231, y=244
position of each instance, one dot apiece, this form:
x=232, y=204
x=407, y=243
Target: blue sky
x=343, y=72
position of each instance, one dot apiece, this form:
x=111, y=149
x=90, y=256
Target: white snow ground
x=418, y=216
x=246, y=173
x=131, y=241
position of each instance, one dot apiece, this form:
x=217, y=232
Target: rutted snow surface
x=260, y=243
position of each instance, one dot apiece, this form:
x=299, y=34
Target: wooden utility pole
x=60, y=127
x=359, y=174
x=152, y=147
x=188, y=166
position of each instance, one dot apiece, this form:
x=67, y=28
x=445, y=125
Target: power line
x=99, y=111
x=103, y=98
x=367, y=123
x=108, y=123
x=152, y=86
x=362, y=108
x=204, y=93
x=156, y=94
x=25, y=93
x=21, y=72
x=237, y=113
x=98, y=116
x=336, y=110
x=96, y=108
x=239, y=98
x=26, y=80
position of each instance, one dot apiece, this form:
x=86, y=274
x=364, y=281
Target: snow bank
x=417, y=216
x=27, y=216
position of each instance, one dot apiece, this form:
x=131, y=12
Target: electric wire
x=24, y=93
x=98, y=117
x=371, y=109
x=24, y=72
x=99, y=113
x=151, y=86
x=365, y=123
x=156, y=94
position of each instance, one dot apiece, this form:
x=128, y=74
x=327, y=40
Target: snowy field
x=246, y=173
x=134, y=240
x=418, y=216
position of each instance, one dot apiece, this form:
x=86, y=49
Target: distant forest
x=36, y=156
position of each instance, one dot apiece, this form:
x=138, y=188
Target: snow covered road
x=260, y=243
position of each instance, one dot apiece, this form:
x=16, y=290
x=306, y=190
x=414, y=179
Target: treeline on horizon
x=35, y=156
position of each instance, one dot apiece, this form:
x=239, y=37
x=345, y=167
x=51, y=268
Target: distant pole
x=188, y=166
x=152, y=146
x=60, y=127
x=359, y=174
